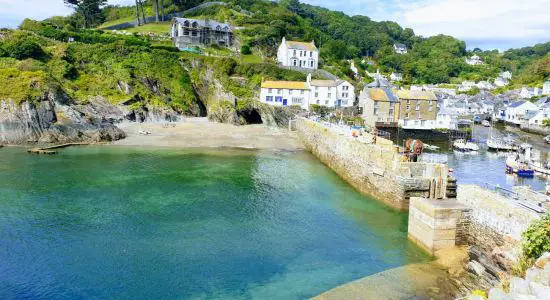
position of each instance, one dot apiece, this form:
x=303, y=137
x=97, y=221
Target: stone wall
x=495, y=221
x=376, y=170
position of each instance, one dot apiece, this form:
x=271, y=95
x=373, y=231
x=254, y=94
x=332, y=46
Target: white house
x=501, y=81
x=516, y=111
x=527, y=93
x=474, y=60
x=446, y=119
x=537, y=118
x=396, y=76
x=466, y=86
x=285, y=93
x=506, y=75
x=400, y=48
x=546, y=88
x=330, y=93
x=298, y=54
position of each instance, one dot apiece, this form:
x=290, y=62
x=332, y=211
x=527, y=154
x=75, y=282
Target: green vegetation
x=536, y=239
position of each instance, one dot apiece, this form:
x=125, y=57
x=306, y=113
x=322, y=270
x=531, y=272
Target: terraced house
x=191, y=32
x=330, y=93
x=418, y=109
x=298, y=54
x=380, y=105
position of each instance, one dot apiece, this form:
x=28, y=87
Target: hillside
x=438, y=59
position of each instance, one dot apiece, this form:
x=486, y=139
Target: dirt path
x=201, y=133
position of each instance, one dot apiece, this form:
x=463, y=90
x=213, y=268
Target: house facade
x=546, y=88
x=396, y=76
x=380, y=106
x=400, y=48
x=537, y=117
x=298, y=54
x=515, y=113
x=506, y=75
x=189, y=32
x=474, y=60
x=330, y=93
x=418, y=109
x=501, y=81
x=527, y=93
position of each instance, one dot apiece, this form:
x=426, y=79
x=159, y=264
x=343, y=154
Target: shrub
x=536, y=239
x=23, y=49
x=545, y=122
x=245, y=49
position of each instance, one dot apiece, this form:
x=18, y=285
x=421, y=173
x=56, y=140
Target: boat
x=431, y=147
x=462, y=145
x=501, y=144
x=547, y=139
x=486, y=123
x=519, y=163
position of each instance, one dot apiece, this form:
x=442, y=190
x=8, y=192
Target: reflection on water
x=488, y=166
x=106, y=222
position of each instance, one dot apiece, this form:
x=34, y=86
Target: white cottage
x=298, y=54
x=516, y=111
x=537, y=117
x=474, y=60
x=396, y=76
x=330, y=93
x=400, y=48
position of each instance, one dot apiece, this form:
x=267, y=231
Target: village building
x=400, y=48
x=330, y=93
x=485, y=85
x=380, y=104
x=506, y=75
x=298, y=54
x=501, y=81
x=285, y=93
x=474, y=60
x=528, y=93
x=466, y=86
x=538, y=117
x=418, y=109
x=396, y=76
x=191, y=32
x=546, y=88
x=516, y=112
x=446, y=119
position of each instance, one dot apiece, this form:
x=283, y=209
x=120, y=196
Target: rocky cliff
x=55, y=118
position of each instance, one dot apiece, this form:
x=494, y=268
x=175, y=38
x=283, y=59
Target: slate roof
x=213, y=25
x=400, y=46
x=301, y=46
x=379, y=82
x=382, y=94
x=416, y=95
x=516, y=104
x=326, y=83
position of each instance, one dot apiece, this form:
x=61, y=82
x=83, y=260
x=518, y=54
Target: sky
x=487, y=24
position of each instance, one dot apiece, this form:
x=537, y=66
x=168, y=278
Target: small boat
x=462, y=145
x=547, y=139
x=431, y=147
x=500, y=144
x=486, y=123
x=520, y=163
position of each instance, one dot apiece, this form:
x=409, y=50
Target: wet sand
x=201, y=133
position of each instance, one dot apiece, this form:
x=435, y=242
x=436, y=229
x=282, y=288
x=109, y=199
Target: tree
x=162, y=10
x=157, y=11
x=137, y=13
x=90, y=10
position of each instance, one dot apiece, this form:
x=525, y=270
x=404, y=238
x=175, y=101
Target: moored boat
x=486, y=123
x=520, y=163
x=500, y=144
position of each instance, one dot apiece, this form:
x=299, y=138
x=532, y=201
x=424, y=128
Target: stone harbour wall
x=376, y=170
x=495, y=221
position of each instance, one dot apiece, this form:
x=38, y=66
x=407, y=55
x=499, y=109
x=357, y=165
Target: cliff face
x=56, y=119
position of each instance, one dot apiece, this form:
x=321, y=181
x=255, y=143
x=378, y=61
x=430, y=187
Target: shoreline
x=201, y=133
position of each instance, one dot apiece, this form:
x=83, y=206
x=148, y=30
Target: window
x=302, y=92
x=269, y=99
x=430, y=108
x=316, y=95
x=422, y=123
x=375, y=112
x=417, y=105
x=316, y=88
x=270, y=91
x=290, y=92
x=326, y=102
x=345, y=95
x=311, y=54
x=317, y=101
x=330, y=95
x=279, y=92
x=278, y=99
x=193, y=33
x=294, y=52
x=407, y=115
x=311, y=63
x=408, y=102
x=297, y=100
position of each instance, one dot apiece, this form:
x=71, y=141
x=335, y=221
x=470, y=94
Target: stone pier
x=377, y=169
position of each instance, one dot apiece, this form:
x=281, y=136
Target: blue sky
x=488, y=24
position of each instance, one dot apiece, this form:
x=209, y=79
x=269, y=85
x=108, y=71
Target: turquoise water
x=108, y=222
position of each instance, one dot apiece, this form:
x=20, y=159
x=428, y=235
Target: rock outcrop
x=55, y=118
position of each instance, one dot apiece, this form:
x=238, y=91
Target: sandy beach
x=201, y=133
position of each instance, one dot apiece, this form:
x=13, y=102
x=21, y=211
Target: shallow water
x=115, y=222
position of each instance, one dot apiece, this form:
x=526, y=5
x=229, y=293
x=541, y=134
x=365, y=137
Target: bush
x=536, y=239
x=23, y=49
x=545, y=122
x=245, y=49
